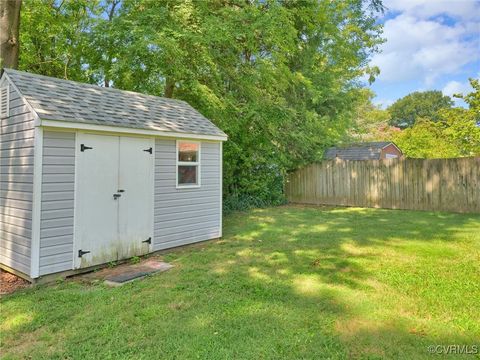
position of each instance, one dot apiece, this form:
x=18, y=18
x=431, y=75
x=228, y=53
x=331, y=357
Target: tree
x=406, y=110
x=473, y=98
x=9, y=33
x=425, y=140
x=103, y=42
x=456, y=133
x=460, y=128
x=279, y=77
x=370, y=122
x=54, y=37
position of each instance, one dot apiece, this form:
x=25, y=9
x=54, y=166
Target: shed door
x=114, y=194
x=136, y=177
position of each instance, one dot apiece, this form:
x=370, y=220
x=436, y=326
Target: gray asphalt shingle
x=361, y=151
x=64, y=100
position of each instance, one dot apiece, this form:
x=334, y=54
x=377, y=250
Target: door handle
x=116, y=196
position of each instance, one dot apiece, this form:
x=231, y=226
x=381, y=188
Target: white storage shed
x=90, y=175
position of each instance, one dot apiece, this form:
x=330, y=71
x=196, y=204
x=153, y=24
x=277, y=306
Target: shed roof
x=360, y=151
x=70, y=101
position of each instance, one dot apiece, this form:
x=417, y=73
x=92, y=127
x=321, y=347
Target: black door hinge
x=83, y=147
x=148, y=241
x=81, y=253
x=149, y=150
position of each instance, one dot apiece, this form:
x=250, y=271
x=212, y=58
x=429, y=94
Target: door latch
x=83, y=147
x=116, y=196
x=81, y=253
x=148, y=241
x=149, y=150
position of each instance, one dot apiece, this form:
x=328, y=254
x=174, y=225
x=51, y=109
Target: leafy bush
x=243, y=202
x=261, y=188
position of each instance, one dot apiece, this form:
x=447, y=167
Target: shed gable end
x=16, y=180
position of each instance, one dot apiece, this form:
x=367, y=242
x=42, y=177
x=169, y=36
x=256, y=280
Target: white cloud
x=459, y=9
x=383, y=103
x=456, y=87
x=420, y=46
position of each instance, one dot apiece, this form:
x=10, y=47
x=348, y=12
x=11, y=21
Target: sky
x=430, y=45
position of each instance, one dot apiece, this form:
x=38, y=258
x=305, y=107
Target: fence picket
x=416, y=184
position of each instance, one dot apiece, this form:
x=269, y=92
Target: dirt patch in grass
x=10, y=283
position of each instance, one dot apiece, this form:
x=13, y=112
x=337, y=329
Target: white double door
x=114, y=198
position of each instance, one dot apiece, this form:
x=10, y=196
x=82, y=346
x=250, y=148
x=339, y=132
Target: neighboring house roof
x=70, y=101
x=360, y=151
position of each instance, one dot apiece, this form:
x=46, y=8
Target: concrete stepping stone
x=134, y=272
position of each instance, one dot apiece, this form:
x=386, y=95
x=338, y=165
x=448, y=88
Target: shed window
x=188, y=164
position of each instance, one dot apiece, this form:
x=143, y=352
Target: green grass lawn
x=287, y=282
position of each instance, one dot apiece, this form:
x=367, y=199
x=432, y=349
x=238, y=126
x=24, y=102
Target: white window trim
x=188, y=163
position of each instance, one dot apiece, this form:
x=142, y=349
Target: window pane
x=187, y=174
x=187, y=152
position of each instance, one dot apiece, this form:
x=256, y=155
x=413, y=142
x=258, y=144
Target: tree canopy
x=455, y=135
x=405, y=111
x=445, y=133
x=370, y=122
x=473, y=99
x=455, y=132
x=279, y=77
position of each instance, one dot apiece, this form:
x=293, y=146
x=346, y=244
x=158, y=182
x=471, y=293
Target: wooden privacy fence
x=416, y=184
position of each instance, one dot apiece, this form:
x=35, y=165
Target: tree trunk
x=106, y=80
x=9, y=32
x=108, y=64
x=169, y=87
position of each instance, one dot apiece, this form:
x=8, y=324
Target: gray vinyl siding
x=16, y=184
x=58, y=190
x=184, y=216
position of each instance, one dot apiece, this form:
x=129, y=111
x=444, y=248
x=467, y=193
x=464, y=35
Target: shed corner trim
x=36, y=204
